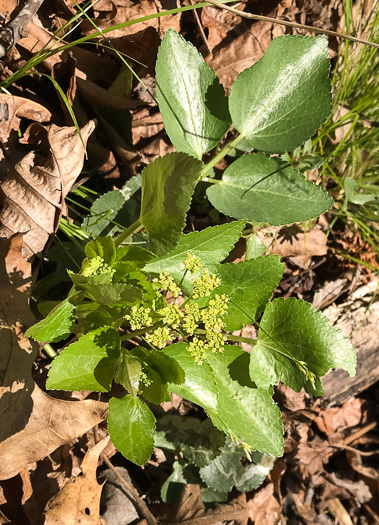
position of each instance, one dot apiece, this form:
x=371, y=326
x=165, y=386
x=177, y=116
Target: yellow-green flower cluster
x=96, y=266
x=192, y=262
x=168, y=284
x=197, y=349
x=192, y=317
x=172, y=315
x=205, y=284
x=139, y=317
x=159, y=337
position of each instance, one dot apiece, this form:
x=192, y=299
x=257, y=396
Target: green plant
x=207, y=457
x=178, y=291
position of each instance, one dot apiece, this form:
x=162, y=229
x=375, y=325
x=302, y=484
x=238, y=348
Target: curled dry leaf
x=79, y=501
x=33, y=423
x=32, y=195
x=12, y=109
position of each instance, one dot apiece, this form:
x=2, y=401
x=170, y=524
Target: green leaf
x=260, y=188
x=198, y=441
x=173, y=487
x=57, y=325
x=279, y=102
x=254, y=247
x=191, y=99
x=247, y=413
x=134, y=254
x=211, y=245
x=103, y=247
x=131, y=425
x=103, y=211
x=160, y=369
x=112, y=293
x=199, y=385
x=226, y=471
x=91, y=316
x=128, y=373
x=167, y=187
x=292, y=331
x=249, y=286
x=88, y=364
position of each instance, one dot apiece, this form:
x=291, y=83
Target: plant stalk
x=133, y=228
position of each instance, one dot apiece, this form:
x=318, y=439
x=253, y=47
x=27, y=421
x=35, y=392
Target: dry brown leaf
x=218, y=22
x=32, y=196
x=123, y=10
x=13, y=109
x=264, y=508
x=291, y=242
x=336, y=419
x=52, y=423
x=33, y=424
x=241, y=52
x=17, y=352
x=79, y=501
x=190, y=510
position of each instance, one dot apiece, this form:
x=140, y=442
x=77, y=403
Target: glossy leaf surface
x=191, y=99
x=290, y=331
x=279, y=102
x=131, y=425
x=258, y=188
x=87, y=364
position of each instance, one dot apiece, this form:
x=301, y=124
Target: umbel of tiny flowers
x=96, y=266
x=185, y=319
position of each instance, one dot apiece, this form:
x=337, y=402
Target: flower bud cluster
x=139, y=317
x=96, y=266
x=159, y=337
x=192, y=262
x=186, y=319
x=205, y=284
x=168, y=284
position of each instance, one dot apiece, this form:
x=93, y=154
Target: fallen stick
x=15, y=30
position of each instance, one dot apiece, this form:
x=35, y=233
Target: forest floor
x=329, y=473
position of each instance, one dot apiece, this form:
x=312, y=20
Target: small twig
x=132, y=492
x=355, y=450
x=16, y=30
x=200, y=27
x=291, y=24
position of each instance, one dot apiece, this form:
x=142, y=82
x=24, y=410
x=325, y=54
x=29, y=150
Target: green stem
x=235, y=338
x=207, y=168
x=136, y=333
x=133, y=228
x=49, y=351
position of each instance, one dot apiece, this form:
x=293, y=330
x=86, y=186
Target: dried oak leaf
x=33, y=423
x=190, y=510
x=32, y=195
x=79, y=501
